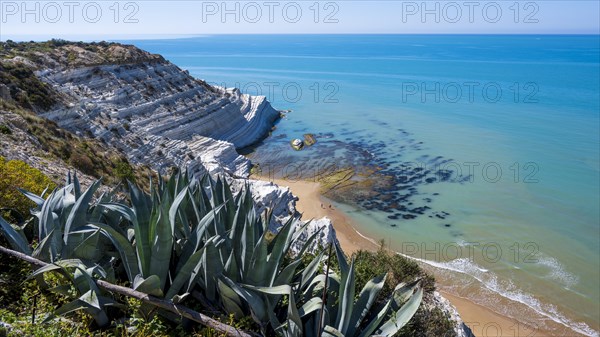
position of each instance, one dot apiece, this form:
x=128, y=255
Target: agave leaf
x=67, y=308
x=287, y=274
x=346, y=300
x=231, y=206
x=64, y=202
x=367, y=297
x=375, y=321
x=310, y=270
x=211, y=268
x=88, y=246
x=63, y=289
x=231, y=268
x=189, y=273
x=46, y=215
x=98, y=270
x=283, y=289
x=196, y=205
x=142, y=208
x=400, y=292
x=98, y=212
x=247, y=246
x=121, y=209
x=124, y=248
x=77, y=216
x=402, y=315
x=329, y=331
x=195, y=240
x=91, y=298
x=162, y=244
x=50, y=247
x=316, y=285
x=294, y=320
x=259, y=263
x=231, y=300
x=403, y=291
x=149, y=285
x=42, y=251
x=45, y=269
x=341, y=256
x=39, y=201
x=88, y=301
x=310, y=326
x=293, y=317
x=15, y=237
x=237, y=235
x=44, y=191
x=311, y=306
x=62, y=266
x=83, y=280
x=300, y=231
x=76, y=185
x=278, y=248
x=174, y=210
x=258, y=307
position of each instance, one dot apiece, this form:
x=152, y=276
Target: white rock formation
x=325, y=236
x=157, y=114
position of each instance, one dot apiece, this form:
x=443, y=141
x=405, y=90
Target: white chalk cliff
x=157, y=114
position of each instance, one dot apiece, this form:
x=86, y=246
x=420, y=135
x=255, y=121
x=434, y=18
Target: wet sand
x=483, y=321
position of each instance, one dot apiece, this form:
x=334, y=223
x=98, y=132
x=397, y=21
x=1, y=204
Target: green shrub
x=26, y=88
x=428, y=322
x=17, y=174
x=123, y=171
x=83, y=163
x=400, y=269
x=5, y=130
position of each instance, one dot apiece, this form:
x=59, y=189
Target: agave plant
x=198, y=234
x=59, y=218
x=189, y=234
x=81, y=278
x=343, y=314
x=152, y=243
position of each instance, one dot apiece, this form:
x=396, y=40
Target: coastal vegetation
x=195, y=243
x=87, y=155
x=17, y=174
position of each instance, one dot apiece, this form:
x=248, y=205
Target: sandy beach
x=483, y=321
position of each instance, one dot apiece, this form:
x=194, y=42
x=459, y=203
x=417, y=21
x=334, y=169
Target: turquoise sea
x=507, y=125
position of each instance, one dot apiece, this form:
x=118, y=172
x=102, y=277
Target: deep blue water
x=521, y=111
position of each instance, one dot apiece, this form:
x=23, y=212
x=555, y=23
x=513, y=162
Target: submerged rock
x=309, y=139
x=297, y=144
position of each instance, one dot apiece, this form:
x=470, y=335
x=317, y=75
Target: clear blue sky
x=126, y=19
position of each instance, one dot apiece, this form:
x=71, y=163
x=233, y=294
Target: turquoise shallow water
x=515, y=118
